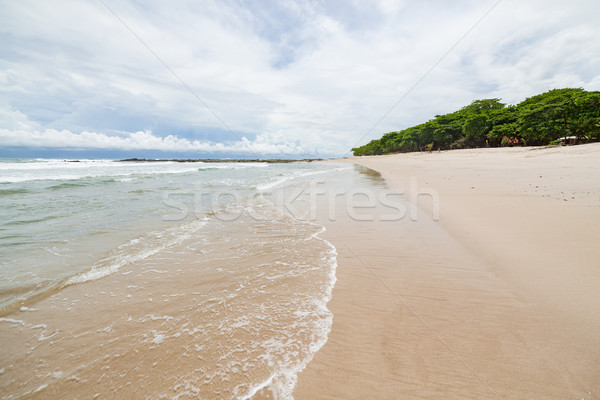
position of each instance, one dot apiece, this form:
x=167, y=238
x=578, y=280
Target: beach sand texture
x=499, y=299
x=496, y=299
x=237, y=306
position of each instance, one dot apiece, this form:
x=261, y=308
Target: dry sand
x=498, y=299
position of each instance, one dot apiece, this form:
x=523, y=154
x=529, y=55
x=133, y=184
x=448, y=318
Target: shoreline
x=220, y=160
x=466, y=306
x=231, y=309
x=495, y=300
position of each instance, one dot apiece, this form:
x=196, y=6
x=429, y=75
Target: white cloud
x=22, y=132
x=293, y=77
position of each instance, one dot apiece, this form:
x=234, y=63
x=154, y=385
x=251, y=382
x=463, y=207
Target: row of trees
x=537, y=121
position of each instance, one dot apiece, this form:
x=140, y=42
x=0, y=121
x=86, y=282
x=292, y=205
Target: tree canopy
x=538, y=120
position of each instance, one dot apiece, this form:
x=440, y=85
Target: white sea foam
x=68, y=170
x=138, y=249
x=283, y=355
x=43, y=337
x=65, y=176
x=40, y=388
x=283, y=383
x=12, y=321
x=263, y=187
x=158, y=337
x=272, y=339
x=236, y=165
x=270, y=185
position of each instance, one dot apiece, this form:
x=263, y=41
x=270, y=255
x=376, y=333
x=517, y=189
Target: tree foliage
x=538, y=120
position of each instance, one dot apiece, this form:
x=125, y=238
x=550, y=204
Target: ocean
x=161, y=279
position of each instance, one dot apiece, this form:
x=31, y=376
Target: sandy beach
x=462, y=274
x=497, y=299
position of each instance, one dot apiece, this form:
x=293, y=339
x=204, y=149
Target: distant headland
x=222, y=160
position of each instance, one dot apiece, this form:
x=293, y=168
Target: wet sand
x=498, y=299
x=237, y=306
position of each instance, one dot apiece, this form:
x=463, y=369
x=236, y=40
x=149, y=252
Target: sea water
x=112, y=272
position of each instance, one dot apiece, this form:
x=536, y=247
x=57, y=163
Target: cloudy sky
x=271, y=78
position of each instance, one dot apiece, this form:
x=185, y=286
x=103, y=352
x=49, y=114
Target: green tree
x=475, y=129
x=588, y=104
x=447, y=129
x=537, y=120
x=482, y=106
x=549, y=116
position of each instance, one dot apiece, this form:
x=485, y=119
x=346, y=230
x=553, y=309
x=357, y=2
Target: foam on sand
x=231, y=309
x=497, y=299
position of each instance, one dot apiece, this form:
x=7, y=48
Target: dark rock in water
x=222, y=160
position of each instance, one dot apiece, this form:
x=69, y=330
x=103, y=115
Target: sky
x=270, y=79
